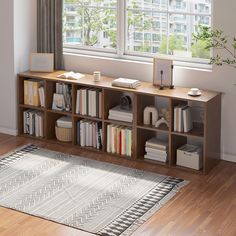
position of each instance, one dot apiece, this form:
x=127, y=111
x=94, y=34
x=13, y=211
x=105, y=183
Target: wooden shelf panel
x=163, y=128
x=87, y=117
x=32, y=107
x=63, y=113
x=31, y=136
x=117, y=122
x=196, y=132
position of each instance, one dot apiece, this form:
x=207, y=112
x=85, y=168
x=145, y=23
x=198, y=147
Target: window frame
x=121, y=53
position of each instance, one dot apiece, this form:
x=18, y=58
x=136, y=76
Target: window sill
x=112, y=59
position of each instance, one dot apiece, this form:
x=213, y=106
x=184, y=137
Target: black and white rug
x=97, y=197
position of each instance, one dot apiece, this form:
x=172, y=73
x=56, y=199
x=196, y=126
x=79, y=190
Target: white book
x=41, y=134
x=187, y=119
x=108, y=138
x=36, y=125
x=125, y=82
x=155, y=158
x=100, y=104
x=155, y=151
x=118, y=111
x=120, y=118
x=94, y=103
x=82, y=133
x=57, y=88
x=84, y=101
x=157, y=143
x=77, y=102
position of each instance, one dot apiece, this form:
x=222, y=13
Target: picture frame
x=163, y=73
x=41, y=62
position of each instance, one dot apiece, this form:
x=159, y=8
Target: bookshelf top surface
x=145, y=88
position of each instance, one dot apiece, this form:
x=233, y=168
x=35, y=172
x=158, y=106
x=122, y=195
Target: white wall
x=18, y=38
x=220, y=79
x=7, y=86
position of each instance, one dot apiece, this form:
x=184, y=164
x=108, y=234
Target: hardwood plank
x=207, y=206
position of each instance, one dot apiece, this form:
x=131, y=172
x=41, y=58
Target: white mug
x=194, y=91
x=96, y=76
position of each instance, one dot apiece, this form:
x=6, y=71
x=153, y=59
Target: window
x=136, y=28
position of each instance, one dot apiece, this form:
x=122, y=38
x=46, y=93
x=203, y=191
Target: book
x=26, y=92
x=77, y=109
x=42, y=96
x=155, y=151
x=126, y=83
x=157, y=143
x=187, y=119
x=155, y=158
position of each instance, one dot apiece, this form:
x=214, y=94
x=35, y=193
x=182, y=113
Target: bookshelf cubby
x=206, y=133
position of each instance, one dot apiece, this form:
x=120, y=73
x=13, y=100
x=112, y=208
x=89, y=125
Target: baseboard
x=228, y=157
x=13, y=132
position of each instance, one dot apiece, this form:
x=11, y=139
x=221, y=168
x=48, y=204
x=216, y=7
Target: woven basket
x=63, y=134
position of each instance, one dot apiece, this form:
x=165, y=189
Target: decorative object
x=161, y=121
x=215, y=39
x=82, y=193
x=194, y=92
x=165, y=113
x=126, y=103
x=163, y=73
x=58, y=102
x=96, y=76
x=150, y=116
x=41, y=62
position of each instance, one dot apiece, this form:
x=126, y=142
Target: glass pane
x=89, y=25
x=190, y=6
x=147, y=4
x=180, y=41
x=145, y=31
x=100, y=3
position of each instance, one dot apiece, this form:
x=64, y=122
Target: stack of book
x=156, y=150
x=89, y=102
x=34, y=93
x=182, y=118
x=62, y=99
x=33, y=123
x=126, y=83
x=116, y=113
x=119, y=140
x=89, y=134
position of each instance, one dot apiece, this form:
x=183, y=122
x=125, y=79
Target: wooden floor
x=207, y=206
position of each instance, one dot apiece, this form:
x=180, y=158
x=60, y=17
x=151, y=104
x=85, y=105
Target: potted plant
x=216, y=39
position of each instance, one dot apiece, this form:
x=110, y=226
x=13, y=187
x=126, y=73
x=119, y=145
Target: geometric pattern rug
x=97, y=197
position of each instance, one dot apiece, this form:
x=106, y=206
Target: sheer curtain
x=49, y=16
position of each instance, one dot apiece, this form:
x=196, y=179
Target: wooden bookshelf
x=208, y=133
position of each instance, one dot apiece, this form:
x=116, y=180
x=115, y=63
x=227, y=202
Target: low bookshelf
x=207, y=134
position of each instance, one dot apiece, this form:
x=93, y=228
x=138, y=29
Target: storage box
x=190, y=156
x=63, y=134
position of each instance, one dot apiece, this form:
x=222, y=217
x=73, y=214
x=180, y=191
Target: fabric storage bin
x=190, y=156
x=63, y=134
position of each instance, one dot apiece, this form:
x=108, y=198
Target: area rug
x=93, y=196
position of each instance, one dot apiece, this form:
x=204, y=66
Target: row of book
x=62, y=99
x=156, y=150
x=182, y=118
x=116, y=113
x=89, y=102
x=34, y=93
x=119, y=140
x=89, y=134
x=33, y=123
